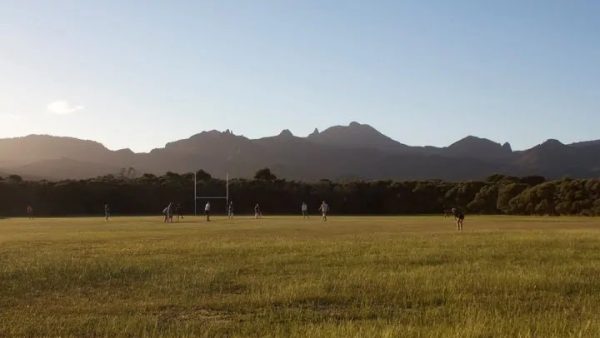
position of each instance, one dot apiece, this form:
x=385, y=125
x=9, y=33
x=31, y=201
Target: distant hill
x=355, y=151
x=33, y=148
x=480, y=148
x=357, y=135
x=555, y=159
x=65, y=168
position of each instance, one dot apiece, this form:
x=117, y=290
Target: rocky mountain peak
x=286, y=133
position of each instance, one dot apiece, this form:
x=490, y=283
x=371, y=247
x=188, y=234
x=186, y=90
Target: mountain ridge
x=355, y=150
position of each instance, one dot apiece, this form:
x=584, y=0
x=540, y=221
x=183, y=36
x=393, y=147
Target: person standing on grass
x=207, y=211
x=257, y=213
x=29, y=211
x=230, y=210
x=447, y=212
x=106, y=212
x=304, y=209
x=324, y=208
x=179, y=211
x=459, y=216
x=168, y=212
x=171, y=212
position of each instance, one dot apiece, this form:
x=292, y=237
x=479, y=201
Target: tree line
x=149, y=194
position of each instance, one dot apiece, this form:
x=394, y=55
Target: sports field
x=283, y=276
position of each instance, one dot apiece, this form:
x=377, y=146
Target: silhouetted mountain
x=65, y=168
x=481, y=148
x=555, y=159
x=356, y=135
x=355, y=151
x=595, y=143
x=26, y=150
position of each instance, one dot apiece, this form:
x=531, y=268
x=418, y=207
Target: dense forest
x=148, y=194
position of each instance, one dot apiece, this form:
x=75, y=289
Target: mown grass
x=282, y=276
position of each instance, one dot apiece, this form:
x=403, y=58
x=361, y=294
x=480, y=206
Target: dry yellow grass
x=283, y=276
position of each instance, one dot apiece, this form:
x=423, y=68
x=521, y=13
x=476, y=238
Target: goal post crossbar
x=196, y=197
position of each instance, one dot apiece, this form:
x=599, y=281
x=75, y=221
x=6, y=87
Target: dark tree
x=148, y=194
x=202, y=175
x=265, y=175
x=15, y=179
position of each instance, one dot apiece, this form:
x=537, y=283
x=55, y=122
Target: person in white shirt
x=304, y=209
x=207, y=211
x=324, y=208
x=230, y=210
x=168, y=212
x=257, y=213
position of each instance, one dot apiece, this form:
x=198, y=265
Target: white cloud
x=63, y=107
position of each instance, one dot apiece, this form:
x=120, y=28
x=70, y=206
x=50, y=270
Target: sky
x=138, y=74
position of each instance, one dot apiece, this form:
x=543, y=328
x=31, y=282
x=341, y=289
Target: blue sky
x=141, y=73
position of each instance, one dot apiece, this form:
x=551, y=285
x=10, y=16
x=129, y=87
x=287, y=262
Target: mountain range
x=355, y=151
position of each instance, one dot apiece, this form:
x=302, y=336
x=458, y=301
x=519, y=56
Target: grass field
x=282, y=276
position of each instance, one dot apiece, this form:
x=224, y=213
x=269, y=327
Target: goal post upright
x=196, y=197
x=226, y=192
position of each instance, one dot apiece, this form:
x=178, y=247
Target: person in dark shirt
x=230, y=210
x=459, y=216
x=179, y=211
x=106, y=212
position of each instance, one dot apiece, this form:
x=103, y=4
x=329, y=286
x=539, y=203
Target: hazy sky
x=141, y=73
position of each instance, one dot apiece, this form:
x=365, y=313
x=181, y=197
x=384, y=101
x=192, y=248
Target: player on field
x=230, y=210
x=459, y=216
x=168, y=212
x=447, y=212
x=106, y=212
x=178, y=211
x=304, y=209
x=324, y=208
x=207, y=211
x=29, y=211
x=257, y=213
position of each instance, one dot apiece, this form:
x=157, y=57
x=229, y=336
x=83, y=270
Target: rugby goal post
x=196, y=197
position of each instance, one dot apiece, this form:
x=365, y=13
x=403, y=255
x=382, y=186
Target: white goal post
x=196, y=197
